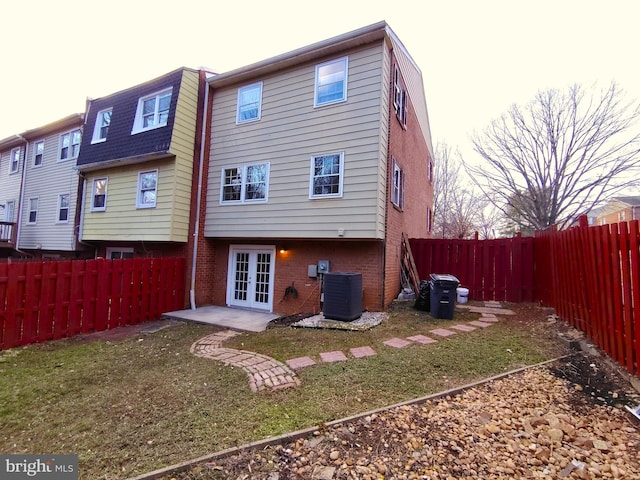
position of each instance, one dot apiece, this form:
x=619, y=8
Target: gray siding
x=289, y=132
x=10, y=182
x=54, y=177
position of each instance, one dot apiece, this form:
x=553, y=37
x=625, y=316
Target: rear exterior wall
x=291, y=269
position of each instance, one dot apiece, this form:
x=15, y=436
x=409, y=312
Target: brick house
x=319, y=154
x=619, y=209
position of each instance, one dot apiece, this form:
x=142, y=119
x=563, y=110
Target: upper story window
x=101, y=128
x=63, y=208
x=249, y=183
x=33, y=210
x=38, y=152
x=431, y=170
x=15, y=160
x=99, y=195
x=331, y=82
x=69, y=144
x=400, y=98
x=429, y=220
x=397, y=188
x=152, y=112
x=326, y=175
x=147, y=189
x=249, y=103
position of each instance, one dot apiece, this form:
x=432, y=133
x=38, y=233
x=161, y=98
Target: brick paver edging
x=263, y=372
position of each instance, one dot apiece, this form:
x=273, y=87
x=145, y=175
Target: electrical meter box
x=324, y=266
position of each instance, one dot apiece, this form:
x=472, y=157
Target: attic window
x=331, y=82
x=249, y=103
x=101, y=128
x=152, y=112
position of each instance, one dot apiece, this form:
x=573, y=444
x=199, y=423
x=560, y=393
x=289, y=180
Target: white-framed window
x=99, y=194
x=38, y=152
x=622, y=216
x=152, y=112
x=331, y=82
x=69, y=144
x=399, y=97
x=249, y=108
x=9, y=210
x=429, y=220
x=101, y=128
x=397, y=186
x=33, y=210
x=248, y=183
x=326, y=175
x=15, y=160
x=116, y=253
x=147, y=189
x=63, y=208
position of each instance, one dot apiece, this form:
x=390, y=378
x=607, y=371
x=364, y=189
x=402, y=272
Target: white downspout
x=196, y=230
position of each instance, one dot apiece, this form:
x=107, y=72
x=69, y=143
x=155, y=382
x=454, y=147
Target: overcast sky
x=477, y=57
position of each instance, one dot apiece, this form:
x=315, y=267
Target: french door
x=250, y=280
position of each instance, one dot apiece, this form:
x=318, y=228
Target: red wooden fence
x=591, y=277
x=42, y=301
x=500, y=269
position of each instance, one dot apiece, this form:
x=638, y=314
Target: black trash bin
x=443, y=295
x=423, y=300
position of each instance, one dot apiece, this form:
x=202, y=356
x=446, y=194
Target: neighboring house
x=137, y=165
x=322, y=153
x=40, y=191
x=11, y=164
x=619, y=209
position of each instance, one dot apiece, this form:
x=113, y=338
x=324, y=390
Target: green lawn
x=135, y=405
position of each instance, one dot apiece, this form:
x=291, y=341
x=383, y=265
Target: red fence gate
x=500, y=269
x=50, y=300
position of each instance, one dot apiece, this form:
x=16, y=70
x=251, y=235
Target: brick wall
x=291, y=269
x=410, y=150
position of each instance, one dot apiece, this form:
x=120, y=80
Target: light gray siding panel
x=46, y=182
x=10, y=182
x=289, y=132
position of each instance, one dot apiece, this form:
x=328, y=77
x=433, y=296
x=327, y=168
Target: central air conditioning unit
x=342, y=296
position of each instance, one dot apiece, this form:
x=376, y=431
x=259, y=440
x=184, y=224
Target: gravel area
x=366, y=321
x=539, y=423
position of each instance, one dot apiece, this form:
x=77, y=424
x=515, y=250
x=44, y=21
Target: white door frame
x=251, y=282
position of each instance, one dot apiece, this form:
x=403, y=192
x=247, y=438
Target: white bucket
x=463, y=294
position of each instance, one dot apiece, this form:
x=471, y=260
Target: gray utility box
x=443, y=295
x=342, y=296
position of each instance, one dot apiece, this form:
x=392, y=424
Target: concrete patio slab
x=235, y=318
x=300, y=362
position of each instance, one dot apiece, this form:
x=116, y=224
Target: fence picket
x=41, y=301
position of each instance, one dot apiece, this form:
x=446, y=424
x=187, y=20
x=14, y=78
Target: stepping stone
x=463, y=328
x=492, y=304
x=442, y=332
x=421, y=339
x=478, y=323
x=360, y=352
x=336, y=356
x=300, y=362
x=397, y=343
x=492, y=319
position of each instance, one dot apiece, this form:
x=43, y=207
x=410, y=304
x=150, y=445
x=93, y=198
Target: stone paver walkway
x=266, y=372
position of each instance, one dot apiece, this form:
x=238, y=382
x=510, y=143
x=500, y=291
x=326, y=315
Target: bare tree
x=558, y=157
x=445, y=182
x=459, y=209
